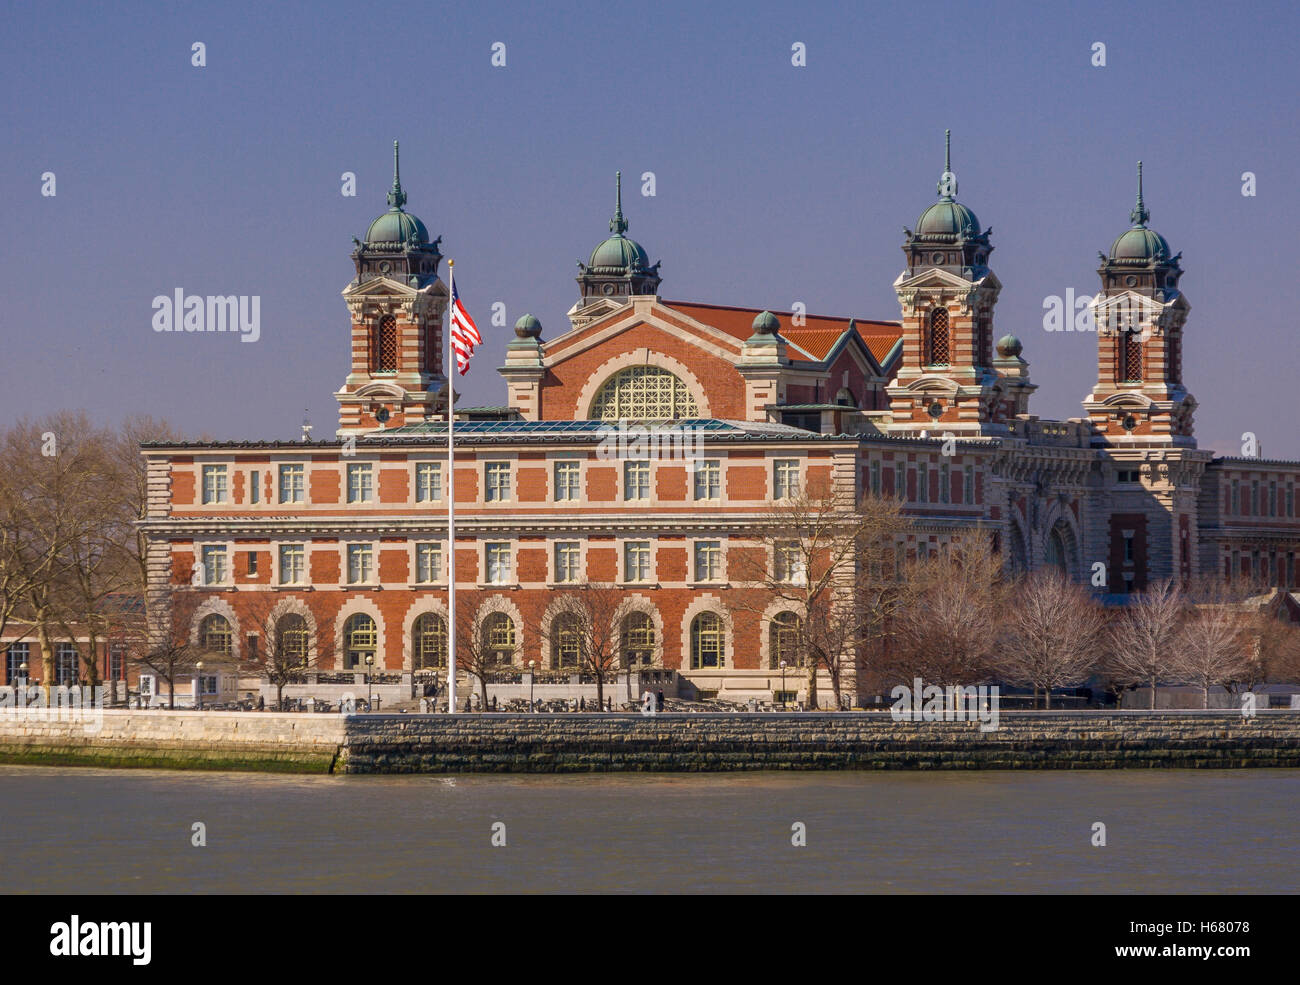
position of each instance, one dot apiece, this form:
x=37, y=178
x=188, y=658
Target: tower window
x=936, y=343
x=384, y=350
x=1130, y=357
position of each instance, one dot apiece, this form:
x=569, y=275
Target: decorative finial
x=1139, y=215
x=397, y=197
x=618, y=224
x=947, y=181
x=306, y=426
x=947, y=150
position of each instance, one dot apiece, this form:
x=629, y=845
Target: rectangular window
x=252, y=562
x=252, y=647
x=214, y=564
x=361, y=483
x=291, y=483
x=208, y=683
x=1272, y=499
x=568, y=562
x=1290, y=501
x=785, y=482
x=1236, y=498
x=875, y=478
x=428, y=562
x=361, y=564
x=496, y=484
x=17, y=655
x=568, y=482
x=968, y=485
x=214, y=484
x=116, y=661
x=254, y=487
x=636, y=480
x=922, y=483
x=1129, y=555
x=708, y=479
x=428, y=482
x=945, y=484
x=146, y=685
x=708, y=560
x=636, y=560
x=1255, y=501
x=498, y=563
x=66, y=664
x=788, y=563
x=293, y=564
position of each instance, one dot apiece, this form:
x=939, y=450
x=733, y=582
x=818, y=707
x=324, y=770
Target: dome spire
x=618, y=225
x=947, y=181
x=396, y=197
x=1139, y=215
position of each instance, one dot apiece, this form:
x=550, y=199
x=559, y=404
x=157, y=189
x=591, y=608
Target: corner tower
x=619, y=268
x=396, y=301
x=1139, y=396
x=947, y=379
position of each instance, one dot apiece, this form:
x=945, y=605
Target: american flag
x=464, y=333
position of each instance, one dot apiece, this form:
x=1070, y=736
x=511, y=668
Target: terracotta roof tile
x=814, y=339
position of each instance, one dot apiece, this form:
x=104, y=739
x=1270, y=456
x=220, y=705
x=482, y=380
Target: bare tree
x=1212, y=648
x=483, y=645
x=1053, y=634
x=1144, y=637
x=285, y=645
x=584, y=625
x=168, y=650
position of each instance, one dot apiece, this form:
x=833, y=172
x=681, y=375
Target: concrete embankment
x=667, y=743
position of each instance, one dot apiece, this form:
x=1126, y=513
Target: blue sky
x=774, y=184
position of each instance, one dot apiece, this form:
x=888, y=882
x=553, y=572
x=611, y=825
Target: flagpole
x=451, y=500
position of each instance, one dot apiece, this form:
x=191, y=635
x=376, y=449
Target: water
x=101, y=831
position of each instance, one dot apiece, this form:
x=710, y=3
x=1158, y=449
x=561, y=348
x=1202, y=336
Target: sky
x=774, y=183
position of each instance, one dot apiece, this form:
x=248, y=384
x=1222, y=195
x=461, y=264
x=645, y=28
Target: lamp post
x=22, y=669
x=783, y=685
x=531, y=664
x=370, y=663
x=198, y=684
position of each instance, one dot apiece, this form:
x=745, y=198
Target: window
x=783, y=641
x=1128, y=475
x=1290, y=501
x=254, y=486
x=498, y=563
x=215, y=635
x=208, y=684
x=1129, y=552
x=945, y=483
x=1236, y=497
x=785, y=483
x=566, y=642
x=638, y=640
x=252, y=653
x=214, y=484
x=428, y=482
x=291, y=483
x=496, y=482
x=968, y=485
x=636, y=480
x=1256, y=504
x=708, y=560
x=708, y=479
x=214, y=564
x=788, y=563
x=361, y=483
x=922, y=483
x=936, y=348
x=383, y=354
x=1130, y=343
x=361, y=564
x=568, y=562
x=708, y=641
x=875, y=479
x=643, y=393
x=146, y=685
x=429, y=641
x=1272, y=498
x=291, y=640
x=636, y=560
x=116, y=661
x=252, y=562
x=360, y=637
x=567, y=485
x=293, y=564
x=499, y=638
x=15, y=656
x=428, y=562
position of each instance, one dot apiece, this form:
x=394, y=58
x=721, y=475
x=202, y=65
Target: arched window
x=499, y=638
x=566, y=642
x=215, y=635
x=383, y=352
x=429, y=642
x=291, y=638
x=638, y=640
x=1057, y=553
x=643, y=393
x=1130, y=343
x=936, y=342
x=783, y=640
x=708, y=641
x=360, y=637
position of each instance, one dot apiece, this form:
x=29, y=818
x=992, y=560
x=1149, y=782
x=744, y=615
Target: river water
x=125, y=831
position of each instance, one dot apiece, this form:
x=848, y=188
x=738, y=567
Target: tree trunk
x=47, y=655
x=600, y=690
x=1153, y=694
x=1047, y=698
x=1205, y=701
x=482, y=685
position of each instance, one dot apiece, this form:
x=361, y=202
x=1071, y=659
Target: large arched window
x=783, y=640
x=643, y=393
x=637, y=638
x=708, y=641
x=215, y=635
x=383, y=353
x=566, y=641
x=499, y=638
x=936, y=340
x=360, y=637
x=291, y=636
x=1057, y=553
x=429, y=642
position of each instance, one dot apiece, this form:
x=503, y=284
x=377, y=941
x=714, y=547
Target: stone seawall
x=523, y=743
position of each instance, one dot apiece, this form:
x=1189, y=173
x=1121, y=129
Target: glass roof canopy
x=558, y=427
